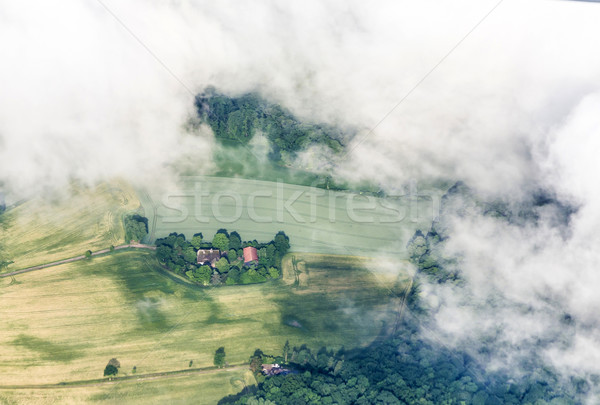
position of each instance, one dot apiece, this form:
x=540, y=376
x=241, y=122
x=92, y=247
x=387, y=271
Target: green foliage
x=282, y=243
x=256, y=361
x=251, y=276
x=110, y=370
x=402, y=370
x=136, y=227
x=88, y=253
x=222, y=265
x=239, y=118
x=221, y=242
x=189, y=255
x=235, y=241
x=180, y=256
x=197, y=241
x=219, y=359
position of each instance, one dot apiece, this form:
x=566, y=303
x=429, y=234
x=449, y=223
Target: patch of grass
x=40, y=231
x=125, y=306
x=202, y=389
x=316, y=220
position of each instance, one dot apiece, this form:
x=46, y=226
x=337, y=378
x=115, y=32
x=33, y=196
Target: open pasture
x=316, y=220
x=64, y=323
x=205, y=388
x=44, y=230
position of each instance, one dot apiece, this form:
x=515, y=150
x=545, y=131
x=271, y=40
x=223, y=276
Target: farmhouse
x=208, y=256
x=250, y=255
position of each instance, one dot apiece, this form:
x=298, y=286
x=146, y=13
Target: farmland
x=202, y=389
x=43, y=230
x=64, y=323
x=317, y=220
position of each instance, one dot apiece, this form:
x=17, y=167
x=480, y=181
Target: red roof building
x=250, y=255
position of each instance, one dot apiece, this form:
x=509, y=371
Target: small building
x=274, y=369
x=208, y=256
x=250, y=255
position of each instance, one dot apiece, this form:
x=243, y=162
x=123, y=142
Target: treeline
x=403, y=370
x=181, y=256
x=239, y=119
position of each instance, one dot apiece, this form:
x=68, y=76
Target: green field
x=65, y=322
x=44, y=230
x=316, y=220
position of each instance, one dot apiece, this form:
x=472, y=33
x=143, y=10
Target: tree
x=282, y=243
x=221, y=241
x=224, y=232
x=203, y=274
x=222, y=265
x=189, y=255
x=136, y=227
x=88, y=253
x=235, y=241
x=163, y=253
x=256, y=361
x=273, y=272
x=219, y=359
x=197, y=241
x=110, y=370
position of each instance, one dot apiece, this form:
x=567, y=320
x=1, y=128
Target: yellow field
x=41, y=231
x=64, y=323
x=186, y=389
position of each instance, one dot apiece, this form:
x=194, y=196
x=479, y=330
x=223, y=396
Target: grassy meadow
x=64, y=323
x=44, y=230
x=184, y=389
x=316, y=220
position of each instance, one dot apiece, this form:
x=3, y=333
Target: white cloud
x=513, y=109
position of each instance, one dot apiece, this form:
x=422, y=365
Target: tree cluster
x=403, y=370
x=136, y=227
x=239, y=118
x=180, y=256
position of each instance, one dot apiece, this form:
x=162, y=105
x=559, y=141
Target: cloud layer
x=511, y=111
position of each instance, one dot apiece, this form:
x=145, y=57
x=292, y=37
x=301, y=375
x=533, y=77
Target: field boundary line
x=77, y=258
x=134, y=377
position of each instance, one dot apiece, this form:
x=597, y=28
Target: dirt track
x=76, y=258
x=117, y=380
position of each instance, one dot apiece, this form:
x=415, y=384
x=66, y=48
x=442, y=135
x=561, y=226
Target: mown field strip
x=317, y=220
x=41, y=231
x=65, y=324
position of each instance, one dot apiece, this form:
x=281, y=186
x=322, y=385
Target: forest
x=240, y=118
x=181, y=256
x=403, y=369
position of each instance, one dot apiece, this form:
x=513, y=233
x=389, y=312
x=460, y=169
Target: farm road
x=117, y=380
x=76, y=258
